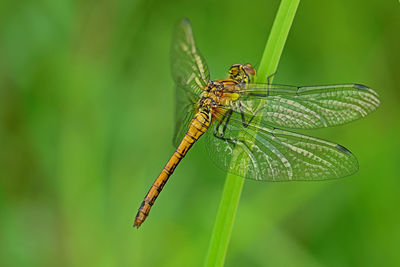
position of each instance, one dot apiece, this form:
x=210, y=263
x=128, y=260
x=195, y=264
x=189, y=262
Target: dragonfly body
x=262, y=149
x=214, y=95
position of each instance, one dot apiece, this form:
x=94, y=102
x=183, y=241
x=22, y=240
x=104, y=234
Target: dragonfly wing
x=184, y=113
x=191, y=75
x=308, y=107
x=189, y=69
x=262, y=152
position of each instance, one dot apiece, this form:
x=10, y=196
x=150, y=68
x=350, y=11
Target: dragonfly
x=247, y=124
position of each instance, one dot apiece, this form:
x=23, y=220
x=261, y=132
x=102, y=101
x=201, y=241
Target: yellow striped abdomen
x=198, y=126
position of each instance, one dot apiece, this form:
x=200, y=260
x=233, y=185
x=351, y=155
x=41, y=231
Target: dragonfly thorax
x=209, y=100
x=219, y=94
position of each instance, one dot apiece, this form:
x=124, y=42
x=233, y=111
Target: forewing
x=308, y=107
x=270, y=154
x=189, y=69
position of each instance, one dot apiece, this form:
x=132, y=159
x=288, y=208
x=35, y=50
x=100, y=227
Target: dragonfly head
x=243, y=73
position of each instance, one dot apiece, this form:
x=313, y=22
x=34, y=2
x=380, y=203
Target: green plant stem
x=233, y=184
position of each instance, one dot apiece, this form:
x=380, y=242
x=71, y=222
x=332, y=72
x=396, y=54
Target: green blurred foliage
x=86, y=117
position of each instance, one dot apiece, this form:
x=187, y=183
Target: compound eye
x=249, y=69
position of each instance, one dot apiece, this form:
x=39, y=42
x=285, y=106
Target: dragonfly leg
x=226, y=122
x=226, y=118
x=244, y=122
x=224, y=127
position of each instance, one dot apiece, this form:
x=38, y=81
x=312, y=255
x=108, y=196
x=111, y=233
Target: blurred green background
x=86, y=122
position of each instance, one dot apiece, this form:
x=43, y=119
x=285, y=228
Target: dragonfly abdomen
x=198, y=126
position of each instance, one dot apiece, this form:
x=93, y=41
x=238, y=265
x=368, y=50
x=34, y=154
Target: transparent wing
x=189, y=69
x=184, y=113
x=270, y=154
x=191, y=75
x=308, y=107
